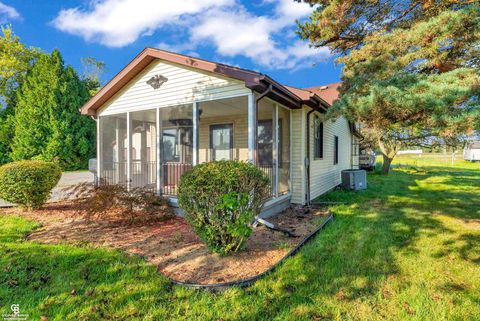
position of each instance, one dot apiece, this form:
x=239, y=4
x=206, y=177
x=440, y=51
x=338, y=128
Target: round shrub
x=28, y=183
x=220, y=200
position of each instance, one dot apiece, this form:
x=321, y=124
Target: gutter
x=263, y=83
x=354, y=131
x=307, y=159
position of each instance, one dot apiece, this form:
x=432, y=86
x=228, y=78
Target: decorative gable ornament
x=157, y=81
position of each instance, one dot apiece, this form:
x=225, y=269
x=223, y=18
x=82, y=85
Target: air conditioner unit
x=354, y=179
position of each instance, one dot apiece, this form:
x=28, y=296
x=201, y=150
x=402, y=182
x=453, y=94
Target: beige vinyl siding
x=298, y=156
x=324, y=174
x=184, y=85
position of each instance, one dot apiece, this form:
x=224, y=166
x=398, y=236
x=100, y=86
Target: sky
x=257, y=35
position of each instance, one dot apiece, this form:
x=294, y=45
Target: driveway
x=67, y=179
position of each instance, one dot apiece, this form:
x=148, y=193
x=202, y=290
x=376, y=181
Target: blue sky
x=258, y=35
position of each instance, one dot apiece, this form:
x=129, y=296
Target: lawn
x=408, y=248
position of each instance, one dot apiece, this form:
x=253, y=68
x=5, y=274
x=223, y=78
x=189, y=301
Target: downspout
x=257, y=100
x=307, y=159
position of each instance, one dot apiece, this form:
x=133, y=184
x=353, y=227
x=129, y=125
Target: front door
x=221, y=142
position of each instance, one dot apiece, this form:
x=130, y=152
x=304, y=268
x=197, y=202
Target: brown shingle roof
x=302, y=93
x=329, y=92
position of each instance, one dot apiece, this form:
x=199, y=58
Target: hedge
x=28, y=183
x=220, y=200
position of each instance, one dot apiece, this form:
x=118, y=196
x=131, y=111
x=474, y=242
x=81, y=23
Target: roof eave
x=253, y=80
x=128, y=72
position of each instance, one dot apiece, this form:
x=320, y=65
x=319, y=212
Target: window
x=318, y=131
x=265, y=142
x=221, y=142
x=177, y=144
x=177, y=135
x=335, y=151
x=283, y=150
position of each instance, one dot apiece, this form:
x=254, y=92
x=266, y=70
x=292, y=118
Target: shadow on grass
x=76, y=282
x=351, y=261
x=356, y=254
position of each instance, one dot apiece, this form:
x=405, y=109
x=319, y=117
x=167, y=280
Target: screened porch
x=153, y=148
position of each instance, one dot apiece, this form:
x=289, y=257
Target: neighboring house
x=165, y=112
x=471, y=152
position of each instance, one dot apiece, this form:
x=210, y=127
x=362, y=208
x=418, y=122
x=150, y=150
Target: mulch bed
x=170, y=243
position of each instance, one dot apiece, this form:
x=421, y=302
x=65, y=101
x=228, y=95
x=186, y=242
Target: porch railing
x=268, y=170
x=144, y=174
x=283, y=178
x=172, y=172
x=114, y=173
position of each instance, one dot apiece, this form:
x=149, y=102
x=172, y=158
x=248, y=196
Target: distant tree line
x=41, y=98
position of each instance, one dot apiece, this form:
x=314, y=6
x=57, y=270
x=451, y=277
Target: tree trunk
x=387, y=161
x=389, y=150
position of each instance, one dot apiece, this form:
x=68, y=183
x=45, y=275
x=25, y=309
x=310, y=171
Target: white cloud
x=8, y=12
x=224, y=25
x=236, y=32
x=291, y=9
x=117, y=23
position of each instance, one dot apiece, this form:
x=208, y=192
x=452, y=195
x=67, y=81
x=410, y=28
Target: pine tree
x=411, y=72
x=48, y=124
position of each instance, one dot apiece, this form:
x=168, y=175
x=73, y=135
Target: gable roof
x=289, y=96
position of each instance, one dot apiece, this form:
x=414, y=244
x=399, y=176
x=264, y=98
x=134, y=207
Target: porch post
x=290, y=157
x=252, y=129
x=99, y=154
x=129, y=152
x=158, y=143
x=116, y=167
x=275, y=152
x=195, y=133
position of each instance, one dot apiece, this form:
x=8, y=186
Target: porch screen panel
x=223, y=129
x=265, y=139
x=177, y=145
x=113, y=152
x=283, y=150
x=144, y=149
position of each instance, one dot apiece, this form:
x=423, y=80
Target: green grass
x=408, y=248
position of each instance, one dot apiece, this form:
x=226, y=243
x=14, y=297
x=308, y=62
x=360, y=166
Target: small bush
x=28, y=183
x=115, y=201
x=220, y=200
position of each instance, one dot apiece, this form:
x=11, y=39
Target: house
x=471, y=151
x=165, y=112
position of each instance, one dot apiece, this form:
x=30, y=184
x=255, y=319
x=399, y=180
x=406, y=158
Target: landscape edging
x=253, y=279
